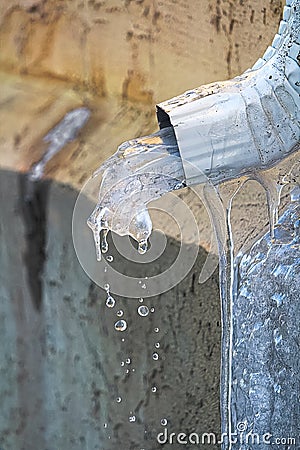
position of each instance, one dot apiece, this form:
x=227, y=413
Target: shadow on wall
x=63, y=365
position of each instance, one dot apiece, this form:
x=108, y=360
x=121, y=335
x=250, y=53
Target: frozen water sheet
x=133, y=177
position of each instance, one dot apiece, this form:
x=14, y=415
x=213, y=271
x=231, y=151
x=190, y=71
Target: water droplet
x=143, y=310
x=133, y=370
x=157, y=345
x=143, y=246
x=120, y=313
x=128, y=361
x=122, y=364
x=105, y=425
x=106, y=287
x=110, y=258
x=163, y=422
x=152, y=310
x=119, y=399
x=110, y=302
x=141, y=300
x=121, y=325
x=132, y=418
x=156, y=330
x=127, y=371
x=123, y=340
x=154, y=389
x=155, y=356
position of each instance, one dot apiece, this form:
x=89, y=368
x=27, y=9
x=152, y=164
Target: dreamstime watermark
x=240, y=437
x=179, y=210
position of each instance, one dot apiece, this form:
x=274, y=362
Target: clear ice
x=134, y=176
x=265, y=381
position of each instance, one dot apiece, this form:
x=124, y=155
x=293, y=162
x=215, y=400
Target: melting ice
x=131, y=178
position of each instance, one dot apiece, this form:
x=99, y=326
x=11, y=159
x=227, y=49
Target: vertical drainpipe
x=226, y=130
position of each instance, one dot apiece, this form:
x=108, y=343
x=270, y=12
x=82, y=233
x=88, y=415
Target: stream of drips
x=143, y=170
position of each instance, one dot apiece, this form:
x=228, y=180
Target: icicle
x=104, y=243
x=132, y=178
x=273, y=190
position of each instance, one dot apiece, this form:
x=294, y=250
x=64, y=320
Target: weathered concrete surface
x=60, y=361
x=139, y=49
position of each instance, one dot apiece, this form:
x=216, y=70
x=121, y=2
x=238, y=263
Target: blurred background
x=61, y=369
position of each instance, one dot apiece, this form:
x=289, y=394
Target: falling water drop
x=141, y=300
x=132, y=419
x=109, y=258
x=121, y=325
x=143, y=246
x=106, y=287
x=152, y=310
x=119, y=399
x=120, y=313
x=157, y=345
x=154, y=389
x=143, y=310
x=128, y=361
x=155, y=356
x=163, y=422
x=156, y=330
x=110, y=301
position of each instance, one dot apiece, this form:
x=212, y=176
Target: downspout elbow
x=228, y=129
